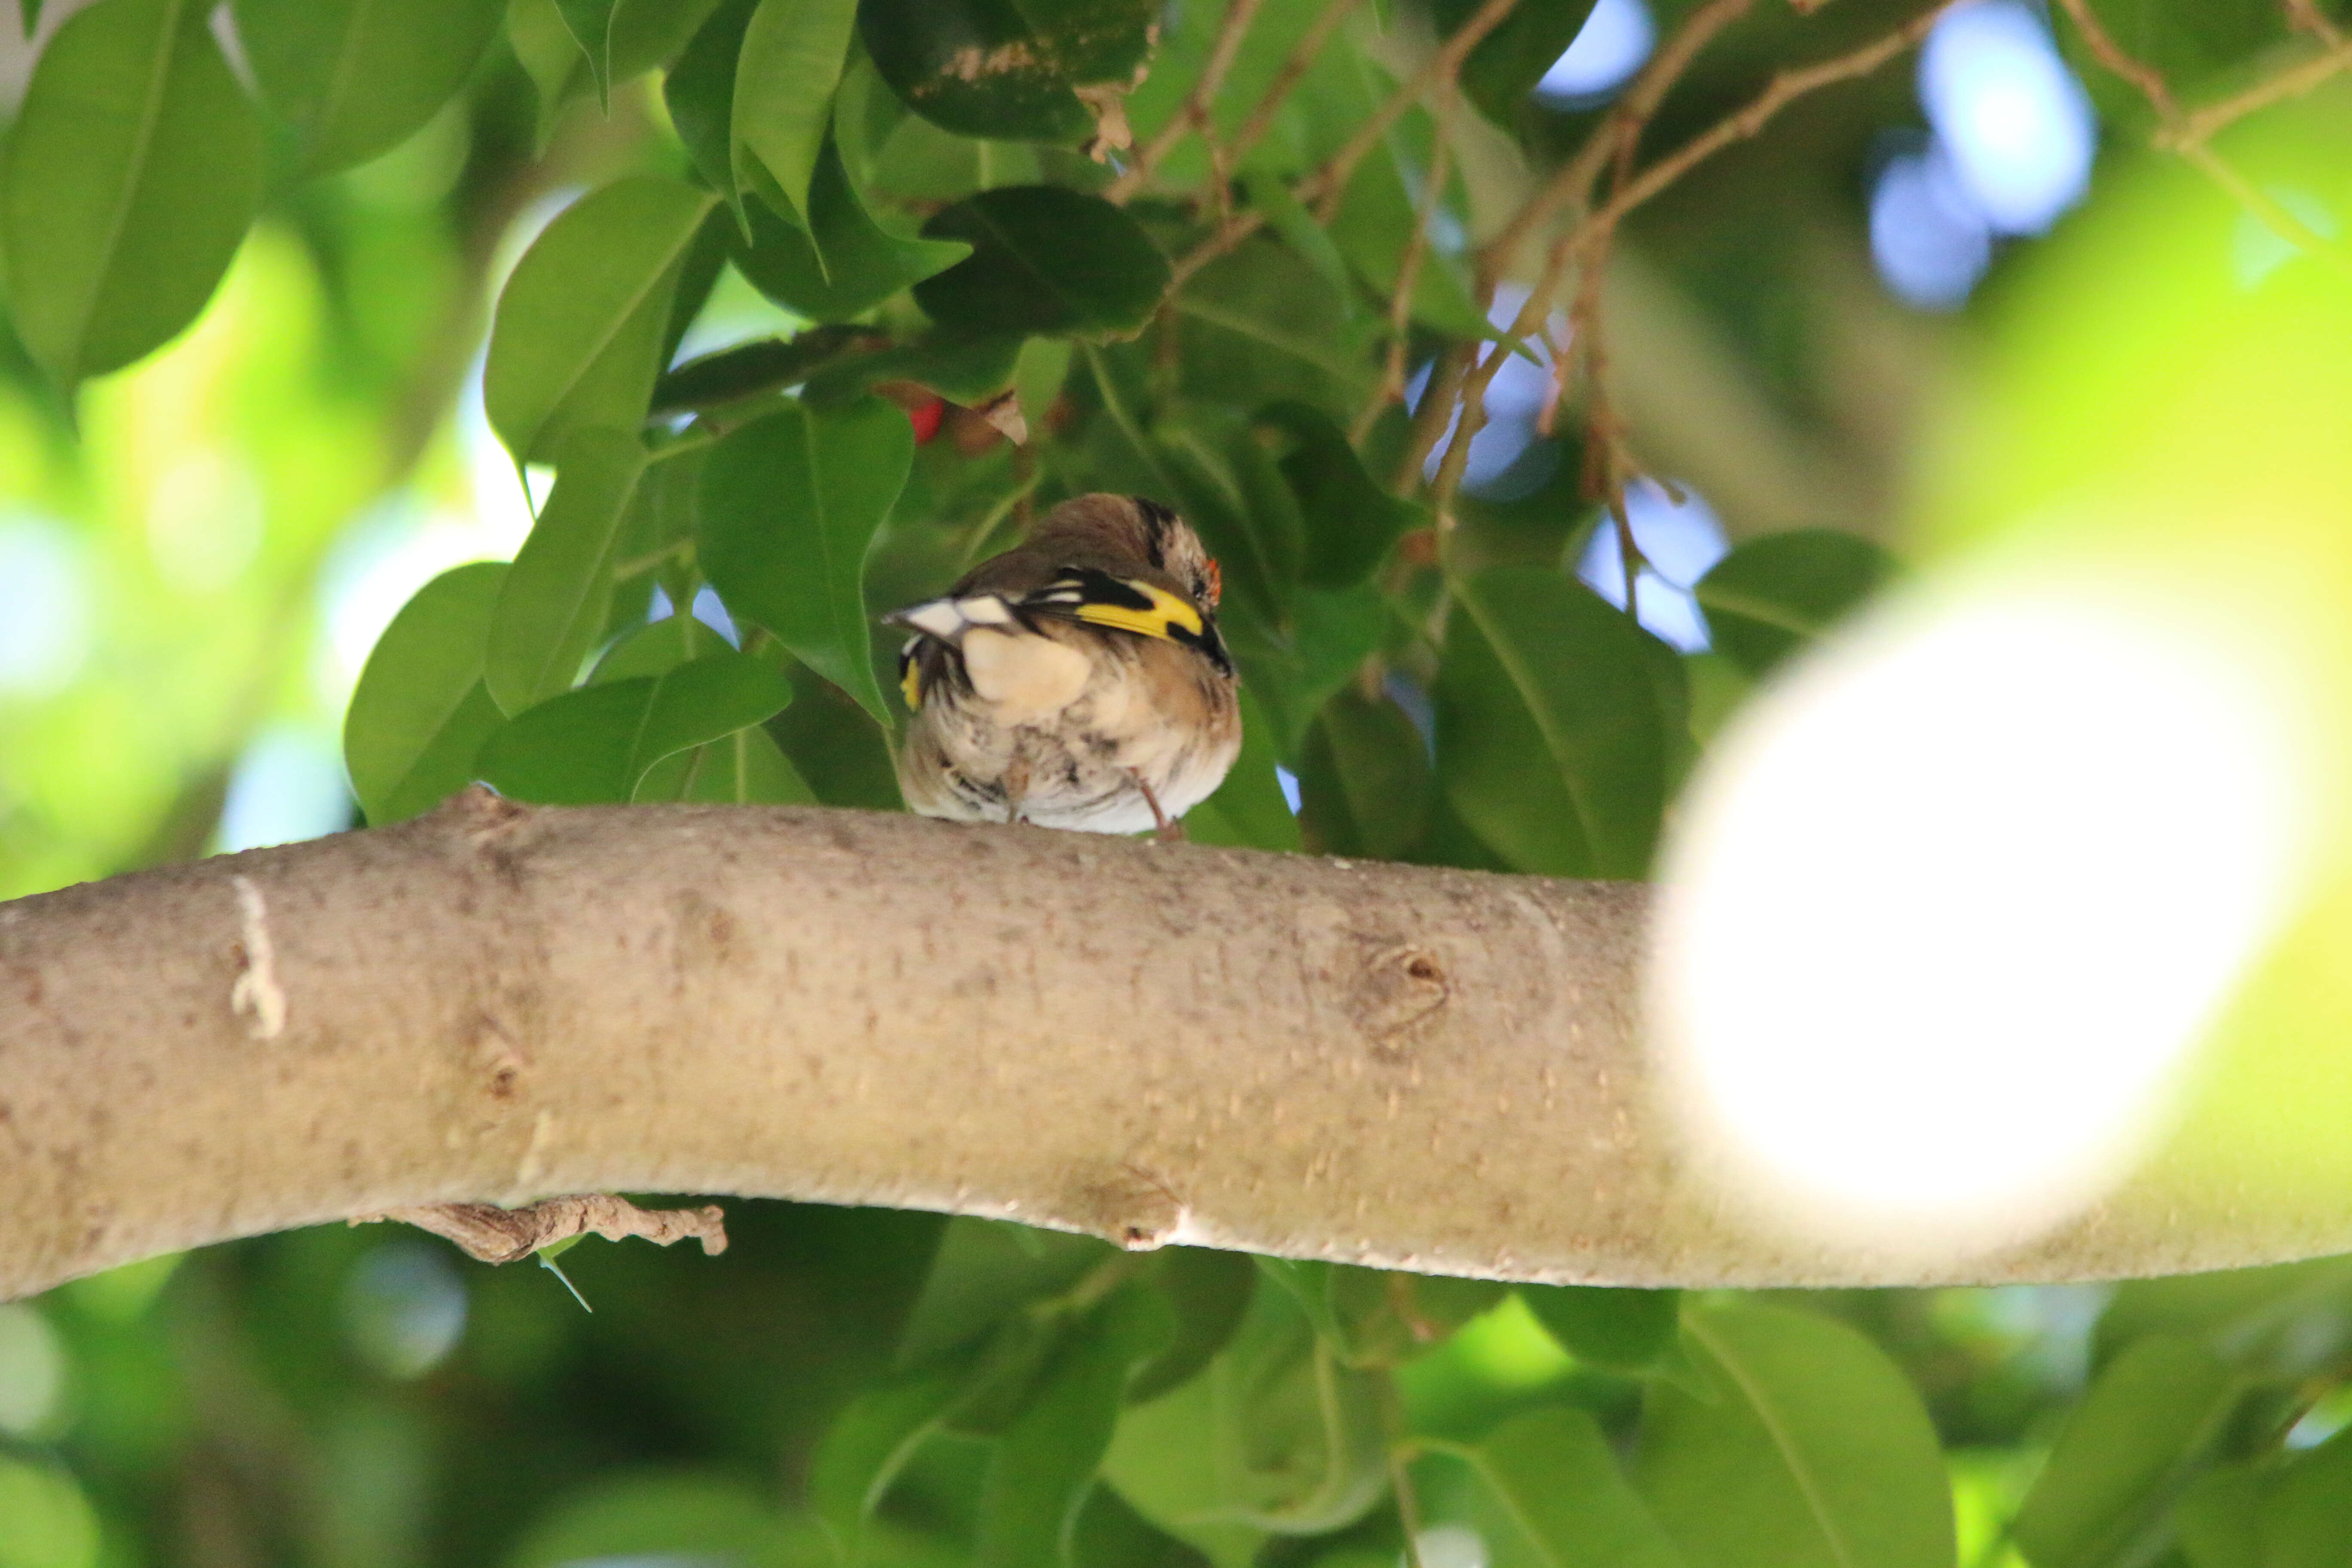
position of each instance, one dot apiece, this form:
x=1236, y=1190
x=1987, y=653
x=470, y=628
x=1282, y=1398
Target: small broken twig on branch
x=498, y=1235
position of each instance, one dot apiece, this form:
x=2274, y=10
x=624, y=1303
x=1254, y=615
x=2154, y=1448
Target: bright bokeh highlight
x=1935, y=948
x=1678, y=541
x=1607, y=49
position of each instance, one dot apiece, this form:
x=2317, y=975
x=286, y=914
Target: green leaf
x=2219, y=1521
x=1045, y=259
x=966, y=371
x=995, y=68
x=580, y=324
x=1211, y=1291
x=699, y=93
x=867, y=1446
x=656, y=648
x=790, y=63
x=2304, y=1522
x=746, y=768
x=1046, y=1458
x=1374, y=223
x=984, y=1273
x=1248, y=810
x=132, y=173
x=688, y=1517
x=590, y=23
x=1817, y=1454
x=1351, y=520
x=754, y=369
x=1261, y=325
x=356, y=77
x=1108, y=1534
x=846, y=263
x=1551, y=744
x=420, y=710
x=790, y=506
x=552, y=605
x=1772, y=595
x=1364, y=785
x=2152, y=1413
x=2264, y=1321
x=1618, y=1330
x=592, y=746
x=1506, y=65
x=1551, y=1481
x=1309, y=240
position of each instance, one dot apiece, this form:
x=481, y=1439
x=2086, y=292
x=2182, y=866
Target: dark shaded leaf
x=133, y=168
x=846, y=263
x=869, y=1443
x=789, y=505
x=699, y=93
x=998, y=68
x=1618, y=1330
x=1817, y=1454
x=1551, y=742
x=355, y=77
x=1365, y=784
x=2153, y=1412
x=1351, y=520
x=553, y=604
x=420, y=710
x=1506, y=65
x=580, y=324
x=984, y=1273
x=754, y=369
x=1045, y=259
x=1211, y=1291
x=1108, y=1534
x=592, y=746
x=966, y=371
x=1772, y=595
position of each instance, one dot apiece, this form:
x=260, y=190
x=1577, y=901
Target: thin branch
x=1295, y=64
x=1416, y=251
x=1198, y=103
x=2304, y=15
x=1323, y=188
x=2292, y=82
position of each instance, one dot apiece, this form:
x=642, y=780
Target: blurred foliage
x=801, y=308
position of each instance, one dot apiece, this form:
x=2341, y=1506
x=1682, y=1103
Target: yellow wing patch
x=1166, y=610
x=911, y=685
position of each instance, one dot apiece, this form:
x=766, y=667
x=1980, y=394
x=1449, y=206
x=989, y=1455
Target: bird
x=1077, y=680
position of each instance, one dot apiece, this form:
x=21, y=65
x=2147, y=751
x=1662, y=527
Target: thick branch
x=1389, y=1064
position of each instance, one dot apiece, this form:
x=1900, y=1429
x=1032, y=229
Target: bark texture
x=1412, y=1067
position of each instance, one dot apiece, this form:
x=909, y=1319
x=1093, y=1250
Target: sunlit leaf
x=133, y=167
x=593, y=745
x=869, y=1443
x=421, y=711
x=789, y=505
x=746, y=768
x=1045, y=259
x=579, y=325
x=1816, y=1452
x=2156, y=1408
x=791, y=59
x=1539, y=669
x=1772, y=595
x=1365, y=783
x=845, y=263
x=699, y=93
x=1552, y=1491
x=552, y=607
x=356, y=76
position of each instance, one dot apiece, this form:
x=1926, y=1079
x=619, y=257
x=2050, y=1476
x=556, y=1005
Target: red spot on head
x=1216, y=584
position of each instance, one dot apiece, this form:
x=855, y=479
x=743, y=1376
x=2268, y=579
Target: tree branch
x=1393, y=1064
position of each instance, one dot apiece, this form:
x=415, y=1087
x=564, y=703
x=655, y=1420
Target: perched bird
x=1076, y=680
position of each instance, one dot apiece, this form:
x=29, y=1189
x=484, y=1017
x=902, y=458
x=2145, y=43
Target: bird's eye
x=1212, y=586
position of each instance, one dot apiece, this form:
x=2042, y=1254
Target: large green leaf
x=2157, y=1409
x=1815, y=1453
x=1772, y=595
x=1006, y=69
x=592, y=746
x=677, y=1517
x=1621, y=1330
x=551, y=608
x=421, y=711
x=1045, y=259
x=845, y=263
x=357, y=76
x=1554, y=1497
x=869, y=1443
x=133, y=168
x=1350, y=519
x=1552, y=740
x=580, y=326
x=1047, y=1457
x=1364, y=782
x=789, y=505
x=790, y=62
x=699, y=93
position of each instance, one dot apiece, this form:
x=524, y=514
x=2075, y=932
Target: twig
x=1295, y=64
x=1416, y=249
x=2186, y=135
x=1324, y=187
x=498, y=1235
x=1195, y=113
x=2292, y=82
x=2304, y=15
